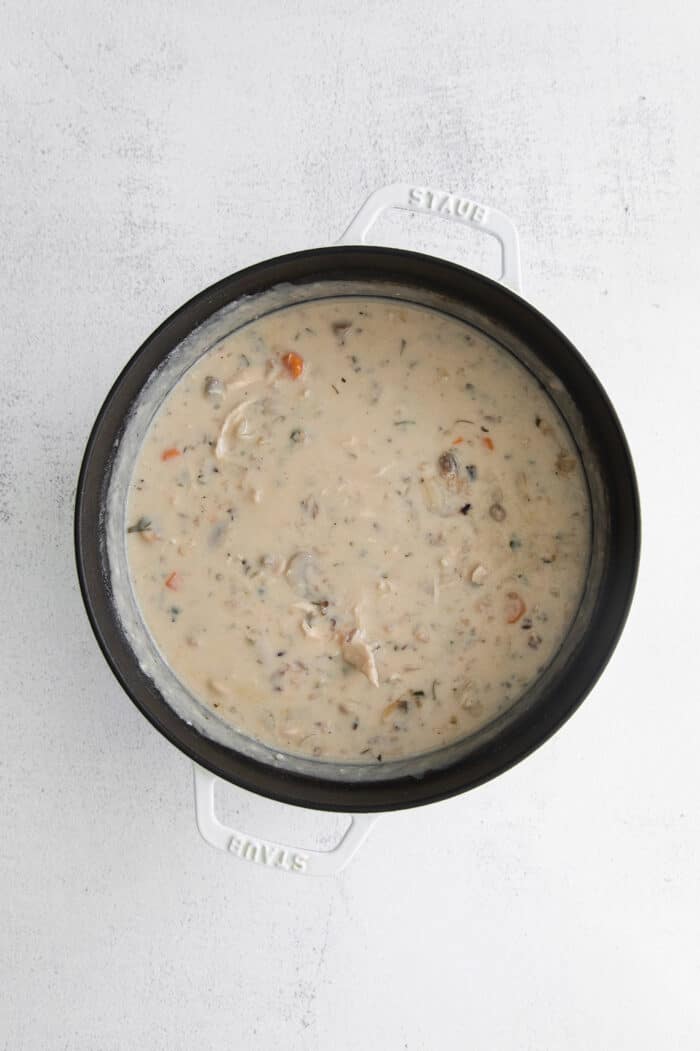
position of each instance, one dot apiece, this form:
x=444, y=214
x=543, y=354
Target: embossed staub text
x=446, y=204
x=267, y=854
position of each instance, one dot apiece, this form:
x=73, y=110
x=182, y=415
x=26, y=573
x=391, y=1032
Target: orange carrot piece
x=515, y=607
x=170, y=454
x=458, y=441
x=173, y=582
x=294, y=364
x=488, y=442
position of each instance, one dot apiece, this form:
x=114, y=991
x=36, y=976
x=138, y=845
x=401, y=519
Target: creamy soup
x=358, y=529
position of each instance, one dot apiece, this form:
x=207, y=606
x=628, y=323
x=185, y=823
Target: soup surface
x=358, y=529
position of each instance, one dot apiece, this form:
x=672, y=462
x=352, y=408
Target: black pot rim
x=402, y=792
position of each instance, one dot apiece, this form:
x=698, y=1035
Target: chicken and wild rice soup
x=358, y=529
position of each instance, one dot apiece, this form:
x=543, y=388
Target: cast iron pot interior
x=616, y=533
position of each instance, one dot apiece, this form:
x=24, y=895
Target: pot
x=350, y=267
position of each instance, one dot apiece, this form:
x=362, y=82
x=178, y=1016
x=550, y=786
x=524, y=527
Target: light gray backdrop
x=148, y=149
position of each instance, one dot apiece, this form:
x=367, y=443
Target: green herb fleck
x=141, y=526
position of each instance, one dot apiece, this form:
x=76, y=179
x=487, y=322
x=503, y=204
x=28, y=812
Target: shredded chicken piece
x=356, y=652
x=250, y=377
x=312, y=632
x=273, y=371
x=392, y=707
x=446, y=495
x=294, y=733
x=478, y=575
x=235, y=425
x=219, y=688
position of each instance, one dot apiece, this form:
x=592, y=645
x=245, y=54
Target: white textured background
x=148, y=149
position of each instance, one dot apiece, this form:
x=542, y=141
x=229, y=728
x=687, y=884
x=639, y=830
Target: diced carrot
x=488, y=442
x=294, y=364
x=515, y=607
x=173, y=582
x=170, y=454
x=458, y=441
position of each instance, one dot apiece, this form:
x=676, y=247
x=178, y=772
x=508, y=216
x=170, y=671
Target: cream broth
x=358, y=529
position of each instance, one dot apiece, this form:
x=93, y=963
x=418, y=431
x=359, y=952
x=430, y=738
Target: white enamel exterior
x=459, y=208
x=265, y=852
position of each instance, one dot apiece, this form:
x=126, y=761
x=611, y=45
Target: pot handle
x=267, y=853
x=443, y=205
